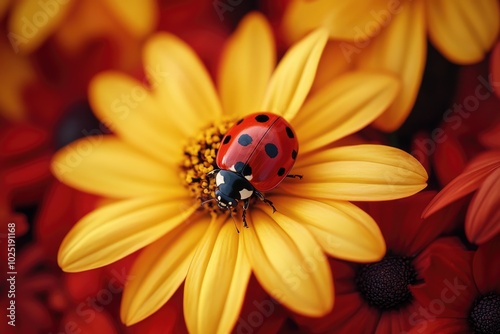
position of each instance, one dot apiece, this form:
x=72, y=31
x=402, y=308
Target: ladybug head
x=231, y=188
x=224, y=201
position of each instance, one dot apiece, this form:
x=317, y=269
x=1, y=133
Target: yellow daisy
x=391, y=35
x=155, y=168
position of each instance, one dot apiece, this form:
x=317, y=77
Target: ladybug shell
x=262, y=147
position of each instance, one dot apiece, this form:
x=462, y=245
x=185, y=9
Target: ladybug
x=255, y=155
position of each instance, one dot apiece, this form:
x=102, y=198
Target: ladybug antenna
x=234, y=220
x=208, y=200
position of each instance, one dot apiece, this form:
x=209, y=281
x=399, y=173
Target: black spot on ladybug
x=289, y=132
x=242, y=168
x=239, y=122
x=245, y=140
x=262, y=118
x=294, y=154
x=271, y=150
x=281, y=171
x=227, y=139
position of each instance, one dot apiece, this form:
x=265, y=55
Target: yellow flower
x=31, y=22
x=391, y=35
x=155, y=169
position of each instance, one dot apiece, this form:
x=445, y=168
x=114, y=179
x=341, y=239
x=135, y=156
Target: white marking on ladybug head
x=232, y=168
x=249, y=177
x=245, y=193
x=219, y=179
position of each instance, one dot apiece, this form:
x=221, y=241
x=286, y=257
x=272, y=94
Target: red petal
x=398, y=321
x=61, y=208
x=88, y=320
x=448, y=289
x=449, y=160
x=21, y=139
x=260, y=313
x=439, y=326
x=349, y=315
x=83, y=284
x=483, y=216
x=485, y=266
x=475, y=173
x=405, y=232
x=168, y=319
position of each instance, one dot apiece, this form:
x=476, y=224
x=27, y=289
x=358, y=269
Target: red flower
x=377, y=297
x=463, y=290
x=482, y=175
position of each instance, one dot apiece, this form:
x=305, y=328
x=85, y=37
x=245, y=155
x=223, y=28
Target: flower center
x=484, y=316
x=200, y=154
x=384, y=284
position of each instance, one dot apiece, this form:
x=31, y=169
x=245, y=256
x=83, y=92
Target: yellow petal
x=331, y=65
x=359, y=19
x=140, y=17
x=463, y=30
x=292, y=79
x=106, y=166
x=342, y=229
x=358, y=173
x=246, y=66
x=216, y=282
x=400, y=49
x=32, y=22
x=344, y=106
x=288, y=263
x=181, y=83
x=160, y=269
x=127, y=107
x=116, y=230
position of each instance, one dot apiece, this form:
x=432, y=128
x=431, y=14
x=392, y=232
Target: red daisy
x=463, y=293
x=377, y=297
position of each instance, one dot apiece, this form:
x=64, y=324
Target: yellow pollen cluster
x=200, y=153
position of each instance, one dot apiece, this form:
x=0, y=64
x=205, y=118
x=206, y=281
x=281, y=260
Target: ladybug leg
x=294, y=176
x=265, y=200
x=246, y=203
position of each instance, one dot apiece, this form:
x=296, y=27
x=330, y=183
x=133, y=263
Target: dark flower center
x=484, y=316
x=384, y=284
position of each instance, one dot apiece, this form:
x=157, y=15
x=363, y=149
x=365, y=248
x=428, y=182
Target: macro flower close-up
x=155, y=169
x=227, y=166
